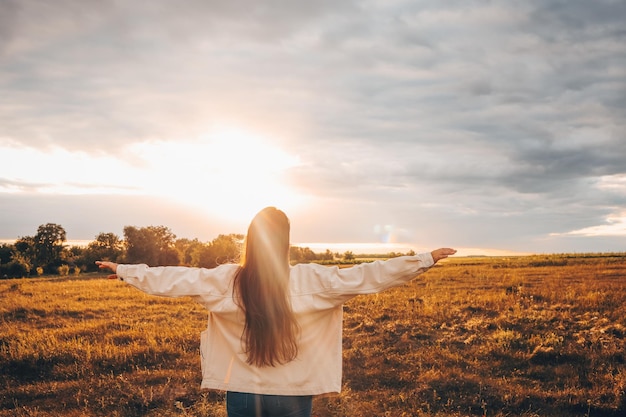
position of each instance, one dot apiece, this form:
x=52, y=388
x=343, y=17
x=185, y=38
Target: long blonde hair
x=261, y=289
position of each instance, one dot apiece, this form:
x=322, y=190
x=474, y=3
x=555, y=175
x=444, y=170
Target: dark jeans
x=240, y=404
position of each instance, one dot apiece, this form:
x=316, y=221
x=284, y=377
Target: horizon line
x=378, y=248
x=358, y=248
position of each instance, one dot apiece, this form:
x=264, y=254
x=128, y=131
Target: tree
x=348, y=256
x=152, y=245
x=48, y=245
x=222, y=249
x=327, y=256
x=6, y=250
x=301, y=255
x=185, y=248
x=73, y=256
x=106, y=246
x=18, y=267
x=25, y=246
x=22, y=257
x=227, y=248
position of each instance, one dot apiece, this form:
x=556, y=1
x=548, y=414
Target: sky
x=481, y=125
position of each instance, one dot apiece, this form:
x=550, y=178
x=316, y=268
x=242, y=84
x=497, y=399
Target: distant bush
x=17, y=268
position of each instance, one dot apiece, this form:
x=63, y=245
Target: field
x=521, y=336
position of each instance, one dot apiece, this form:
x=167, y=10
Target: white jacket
x=317, y=295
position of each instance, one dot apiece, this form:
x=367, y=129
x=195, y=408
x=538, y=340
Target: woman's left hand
x=442, y=253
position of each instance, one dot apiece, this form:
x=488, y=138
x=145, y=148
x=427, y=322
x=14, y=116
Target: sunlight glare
x=231, y=173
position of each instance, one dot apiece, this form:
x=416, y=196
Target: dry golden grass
x=529, y=336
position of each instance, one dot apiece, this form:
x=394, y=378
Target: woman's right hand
x=108, y=265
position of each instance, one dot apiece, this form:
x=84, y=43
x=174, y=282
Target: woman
x=273, y=339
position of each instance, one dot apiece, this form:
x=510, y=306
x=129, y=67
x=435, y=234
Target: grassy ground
x=528, y=336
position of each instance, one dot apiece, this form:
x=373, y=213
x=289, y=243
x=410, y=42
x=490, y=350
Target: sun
x=231, y=173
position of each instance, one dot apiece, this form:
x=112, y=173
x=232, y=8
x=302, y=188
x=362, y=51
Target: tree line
x=47, y=252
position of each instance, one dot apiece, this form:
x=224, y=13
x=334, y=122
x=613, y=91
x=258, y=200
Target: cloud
x=609, y=201
x=94, y=76
x=615, y=225
x=481, y=112
x=400, y=72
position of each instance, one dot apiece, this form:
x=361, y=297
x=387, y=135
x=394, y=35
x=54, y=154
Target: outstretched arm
x=442, y=253
x=175, y=281
x=343, y=284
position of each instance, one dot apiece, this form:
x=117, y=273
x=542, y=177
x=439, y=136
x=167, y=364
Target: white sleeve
x=179, y=281
x=374, y=277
